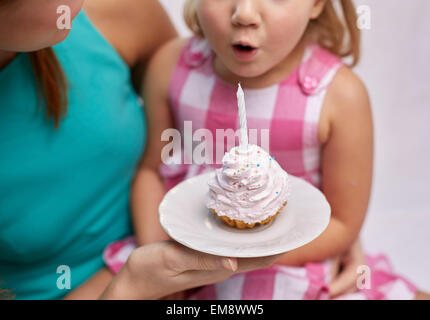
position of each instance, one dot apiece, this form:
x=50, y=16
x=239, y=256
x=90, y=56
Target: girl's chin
x=233, y=69
x=248, y=72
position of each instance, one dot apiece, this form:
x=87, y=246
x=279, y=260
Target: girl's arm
x=347, y=165
x=148, y=188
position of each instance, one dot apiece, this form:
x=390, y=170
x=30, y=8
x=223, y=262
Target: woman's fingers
x=180, y=259
x=203, y=276
x=242, y=265
x=159, y=269
x=248, y=264
x=166, y=267
x=197, y=278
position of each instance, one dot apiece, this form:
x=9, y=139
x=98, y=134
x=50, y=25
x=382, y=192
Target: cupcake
x=250, y=189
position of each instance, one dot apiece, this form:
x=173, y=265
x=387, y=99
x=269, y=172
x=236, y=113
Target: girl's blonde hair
x=335, y=28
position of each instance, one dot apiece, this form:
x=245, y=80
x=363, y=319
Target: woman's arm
x=135, y=28
x=159, y=269
x=148, y=188
x=347, y=165
x=93, y=287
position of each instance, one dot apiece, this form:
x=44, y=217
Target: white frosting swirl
x=251, y=186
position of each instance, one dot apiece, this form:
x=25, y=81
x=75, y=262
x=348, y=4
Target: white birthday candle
x=242, y=118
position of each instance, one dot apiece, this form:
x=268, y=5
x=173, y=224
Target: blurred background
x=396, y=70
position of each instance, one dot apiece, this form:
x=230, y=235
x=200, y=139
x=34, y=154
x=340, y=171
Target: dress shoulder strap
x=317, y=69
x=196, y=52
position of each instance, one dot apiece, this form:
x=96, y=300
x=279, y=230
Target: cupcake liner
x=239, y=224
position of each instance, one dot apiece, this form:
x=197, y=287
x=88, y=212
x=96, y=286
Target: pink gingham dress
x=290, y=110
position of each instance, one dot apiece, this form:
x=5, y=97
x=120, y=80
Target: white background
x=395, y=67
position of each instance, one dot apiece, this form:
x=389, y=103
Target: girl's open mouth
x=244, y=52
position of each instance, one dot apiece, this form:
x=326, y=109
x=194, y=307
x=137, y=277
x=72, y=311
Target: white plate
x=185, y=218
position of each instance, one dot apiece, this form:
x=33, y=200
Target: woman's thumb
x=229, y=263
x=207, y=262
x=193, y=260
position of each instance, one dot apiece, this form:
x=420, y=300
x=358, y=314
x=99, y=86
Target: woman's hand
x=159, y=269
x=344, y=270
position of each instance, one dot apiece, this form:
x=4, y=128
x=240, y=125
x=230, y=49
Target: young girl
x=287, y=55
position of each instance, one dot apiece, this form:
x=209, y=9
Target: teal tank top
x=64, y=195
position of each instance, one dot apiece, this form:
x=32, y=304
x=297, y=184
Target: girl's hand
x=160, y=269
x=344, y=270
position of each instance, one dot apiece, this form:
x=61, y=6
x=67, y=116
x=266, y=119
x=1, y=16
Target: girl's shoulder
x=331, y=73
x=170, y=52
x=189, y=53
x=181, y=54
x=343, y=94
x=163, y=63
x=347, y=91
x=347, y=85
x=346, y=100
x=317, y=69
